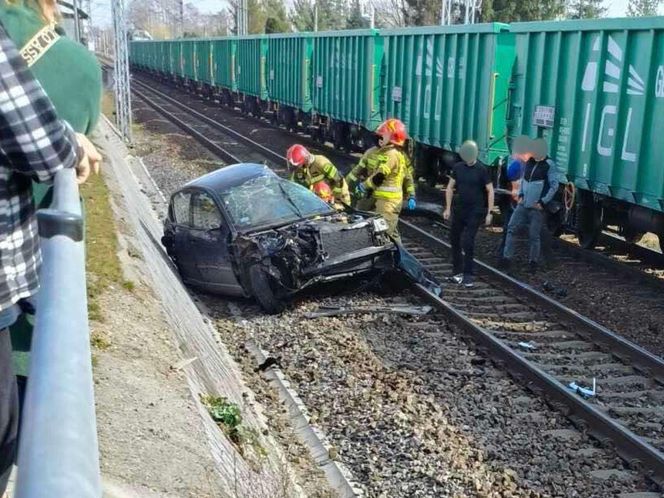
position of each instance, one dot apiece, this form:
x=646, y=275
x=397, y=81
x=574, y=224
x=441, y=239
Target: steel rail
x=217, y=149
x=637, y=452
x=272, y=155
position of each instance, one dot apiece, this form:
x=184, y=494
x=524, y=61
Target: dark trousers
x=464, y=229
x=532, y=218
x=8, y=410
x=506, y=210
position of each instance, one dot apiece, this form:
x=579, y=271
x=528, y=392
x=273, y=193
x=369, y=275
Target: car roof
x=230, y=176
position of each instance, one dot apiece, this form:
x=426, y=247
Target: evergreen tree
x=638, y=8
x=277, y=18
x=586, y=9
x=523, y=10
x=332, y=14
x=355, y=19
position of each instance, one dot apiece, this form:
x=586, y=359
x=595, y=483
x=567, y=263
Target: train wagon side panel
x=189, y=59
x=595, y=90
x=204, y=65
x=449, y=84
x=224, y=54
x=177, y=59
x=289, y=69
x=346, y=76
x=250, y=65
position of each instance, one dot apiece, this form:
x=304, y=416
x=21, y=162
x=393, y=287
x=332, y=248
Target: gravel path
x=409, y=407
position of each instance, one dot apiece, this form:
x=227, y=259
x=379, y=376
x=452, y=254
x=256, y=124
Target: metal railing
x=58, y=452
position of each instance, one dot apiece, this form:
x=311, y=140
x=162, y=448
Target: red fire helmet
x=396, y=130
x=323, y=190
x=297, y=155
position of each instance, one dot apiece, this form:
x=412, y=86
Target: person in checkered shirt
x=34, y=146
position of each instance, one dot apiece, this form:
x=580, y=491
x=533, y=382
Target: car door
x=179, y=228
x=208, y=238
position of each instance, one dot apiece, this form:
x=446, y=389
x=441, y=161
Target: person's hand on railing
x=91, y=159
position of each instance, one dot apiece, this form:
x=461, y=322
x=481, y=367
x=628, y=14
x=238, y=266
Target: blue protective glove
x=411, y=203
x=360, y=189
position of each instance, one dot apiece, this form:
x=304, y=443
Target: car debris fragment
x=324, y=311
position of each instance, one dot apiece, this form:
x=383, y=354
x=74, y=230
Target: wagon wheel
x=632, y=236
x=588, y=221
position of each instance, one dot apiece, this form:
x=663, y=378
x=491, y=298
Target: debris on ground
x=323, y=311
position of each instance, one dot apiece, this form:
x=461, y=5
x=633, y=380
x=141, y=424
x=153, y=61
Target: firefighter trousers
x=388, y=209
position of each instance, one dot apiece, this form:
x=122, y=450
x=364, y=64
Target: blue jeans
x=8, y=398
x=532, y=218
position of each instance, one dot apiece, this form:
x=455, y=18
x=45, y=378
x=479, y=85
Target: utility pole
x=121, y=71
x=77, y=22
x=315, y=16
x=182, y=18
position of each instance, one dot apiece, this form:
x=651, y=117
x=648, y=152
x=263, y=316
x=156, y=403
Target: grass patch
x=108, y=104
x=129, y=285
x=102, y=263
x=100, y=342
x=228, y=417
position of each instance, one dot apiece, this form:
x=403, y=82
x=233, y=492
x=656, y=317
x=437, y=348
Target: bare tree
x=390, y=13
x=637, y=8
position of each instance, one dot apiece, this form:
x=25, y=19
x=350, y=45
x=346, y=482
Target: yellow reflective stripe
x=388, y=189
x=317, y=178
x=388, y=195
x=351, y=177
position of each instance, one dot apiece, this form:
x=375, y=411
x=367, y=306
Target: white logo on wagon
x=613, y=67
x=659, y=83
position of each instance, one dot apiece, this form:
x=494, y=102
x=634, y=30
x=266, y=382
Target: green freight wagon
x=189, y=62
x=595, y=91
x=162, y=62
x=250, y=65
x=346, y=86
x=176, y=59
x=449, y=84
x=289, y=76
x=224, y=53
x=204, y=62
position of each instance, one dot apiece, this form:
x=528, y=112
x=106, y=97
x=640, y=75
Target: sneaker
x=468, y=281
x=458, y=278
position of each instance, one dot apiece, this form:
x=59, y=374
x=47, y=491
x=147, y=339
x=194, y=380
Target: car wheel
x=263, y=292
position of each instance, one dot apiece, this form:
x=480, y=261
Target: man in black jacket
x=538, y=186
x=472, y=205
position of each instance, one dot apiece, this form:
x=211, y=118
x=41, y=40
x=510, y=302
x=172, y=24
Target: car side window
x=205, y=213
x=181, y=208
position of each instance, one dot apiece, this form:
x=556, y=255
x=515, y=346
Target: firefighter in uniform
x=311, y=169
x=324, y=191
x=383, y=176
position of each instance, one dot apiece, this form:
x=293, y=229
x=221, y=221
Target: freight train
x=593, y=89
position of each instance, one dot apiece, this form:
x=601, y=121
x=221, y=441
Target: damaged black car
x=244, y=231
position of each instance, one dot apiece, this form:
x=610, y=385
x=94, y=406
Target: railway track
x=543, y=344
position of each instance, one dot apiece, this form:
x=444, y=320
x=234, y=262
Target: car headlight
x=380, y=225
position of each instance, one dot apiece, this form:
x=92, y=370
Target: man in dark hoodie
x=538, y=186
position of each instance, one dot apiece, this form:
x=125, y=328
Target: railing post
x=58, y=453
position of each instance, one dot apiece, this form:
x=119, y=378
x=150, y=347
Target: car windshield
x=268, y=200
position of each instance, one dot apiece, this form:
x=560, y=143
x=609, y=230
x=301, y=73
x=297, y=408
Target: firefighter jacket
x=321, y=169
x=390, y=164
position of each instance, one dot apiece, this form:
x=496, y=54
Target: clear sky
x=101, y=9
